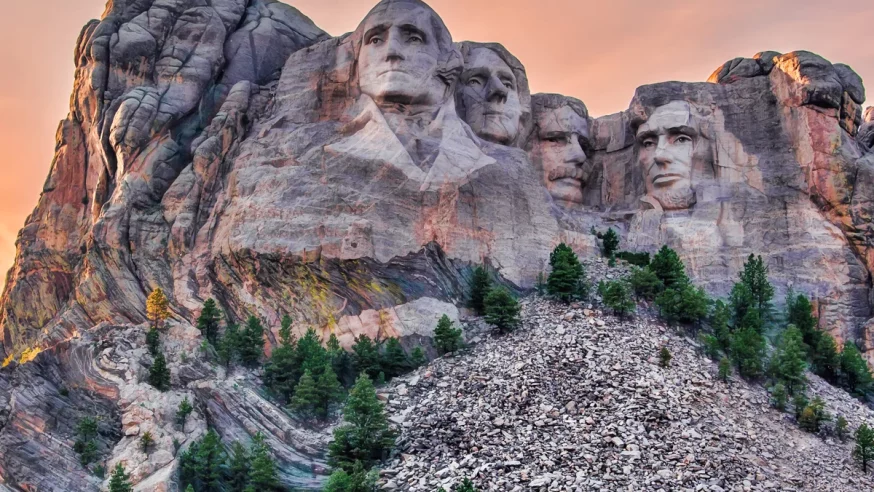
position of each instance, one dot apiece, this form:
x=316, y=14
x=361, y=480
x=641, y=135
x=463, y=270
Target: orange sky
x=596, y=51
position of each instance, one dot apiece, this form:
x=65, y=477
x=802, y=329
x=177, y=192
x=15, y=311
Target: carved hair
x=543, y=103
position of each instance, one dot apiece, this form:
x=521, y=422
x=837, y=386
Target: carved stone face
x=399, y=55
x=559, y=149
x=666, y=152
x=491, y=98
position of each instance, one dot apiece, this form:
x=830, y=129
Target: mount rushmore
x=233, y=150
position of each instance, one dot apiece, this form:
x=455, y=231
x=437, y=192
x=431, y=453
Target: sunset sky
x=596, y=51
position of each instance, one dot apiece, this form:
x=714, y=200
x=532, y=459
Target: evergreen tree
x=306, y=396
x=719, y=322
x=712, y=347
x=330, y=391
x=480, y=285
x=813, y=416
x=239, y=464
x=755, y=277
x=202, y=464
x=645, y=283
x=341, y=362
x=799, y=312
x=854, y=369
x=665, y=357
x=742, y=304
x=146, y=442
x=611, y=243
x=394, y=359
x=190, y=488
x=85, y=445
x=466, y=484
x=358, y=481
x=263, y=475
x=251, y=342
x=310, y=354
x=826, y=360
x=157, y=310
x=183, y=412
x=779, y=397
x=748, y=352
x=120, y=480
x=153, y=341
x=228, y=347
x=208, y=321
x=417, y=358
x=684, y=304
x=567, y=278
x=502, y=310
x=159, y=373
x=666, y=265
x=787, y=362
x=282, y=369
x=841, y=428
x=365, y=356
x=617, y=297
x=863, y=452
x=724, y=369
x=446, y=337
x=366, y=436
x=799, y=403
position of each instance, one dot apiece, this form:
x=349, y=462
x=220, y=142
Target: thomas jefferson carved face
x=667, y=151
x=490, y=96
x=558, y=146
x=400, y=53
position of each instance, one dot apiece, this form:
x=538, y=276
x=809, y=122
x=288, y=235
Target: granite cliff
x=231, y=149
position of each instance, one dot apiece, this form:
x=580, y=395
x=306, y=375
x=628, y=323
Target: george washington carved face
x=670, y=148
x=490, y=96
x=401, y=53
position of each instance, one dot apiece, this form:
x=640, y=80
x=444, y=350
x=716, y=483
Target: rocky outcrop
x=232, y=150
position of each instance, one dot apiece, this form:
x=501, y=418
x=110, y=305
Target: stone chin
x=678, y=197
x=566, y=190
x=398, y=86
x=497, y=128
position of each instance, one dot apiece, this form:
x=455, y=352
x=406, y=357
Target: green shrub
x=668, y=268
x=479, y=289
x=502, y=310
x=637, y=259
x=447, y=338
x=645, y=283
x=610, y=242
x=566, y=281
x=617, y=296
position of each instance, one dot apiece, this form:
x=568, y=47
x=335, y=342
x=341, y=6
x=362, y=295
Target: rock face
x=231, y=149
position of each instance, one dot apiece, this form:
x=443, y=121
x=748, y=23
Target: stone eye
x=648, y=143
x=508, y=85
x=375, y=40
x=684, y=139
x=474, y=81
x=415, y=38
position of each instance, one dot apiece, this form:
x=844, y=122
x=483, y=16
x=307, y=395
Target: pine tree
x=228, y=347
x=366, y=436
x=359, y=480
x=153, y=341
x=841, y=428
x=394, y=359
x=748, y=352
x=666, y=265
x=719, y=322
x=799, y=403
x=263, y=475
x=684, y=304
x=310, y=354
x=202, y=464
x=446, y=337
x=755, y=277
x=742, y=304
x=365, y=356
x=157, y=308
x=665, y=357
x=417, y=358
x=826, y=360
x=567, y=275
x=330, y=391
x=617, y=297
x=86, y=430
x=787, y=362
x=813, y=416
x=251, y=343
x=190, y=488
x=159, y=373
x=863, y=452
x=611, y=243
x=146, y=442
x=120, y=480
x=854, y=369
x=466, y=484
x=341, y=361
x=724, y=369
x=480, y=285
x=502, y=310
x=282, y=369
x=799, y=312
x=208, y=321
x=183, y=412
x=645, y=283
x=306, y=396
x=239, y=464
x=779, y=397
x=711, y=345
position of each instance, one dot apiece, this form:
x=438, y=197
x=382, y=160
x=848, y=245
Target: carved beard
x=676, y=199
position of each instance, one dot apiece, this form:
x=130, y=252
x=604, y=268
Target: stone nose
x=575, y=153
x=497, y=91
x=661, y=156
x=394, y=48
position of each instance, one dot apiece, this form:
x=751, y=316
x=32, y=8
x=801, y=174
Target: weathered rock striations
x=231, y=149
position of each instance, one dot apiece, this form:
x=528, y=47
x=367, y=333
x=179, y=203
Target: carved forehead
x=486, y=58
x=561, y=120
x=412, y=12
x=674, y=115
